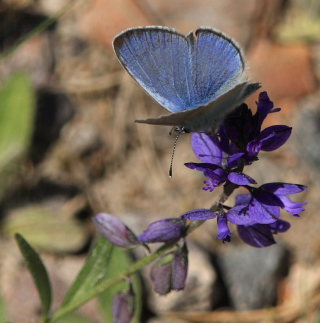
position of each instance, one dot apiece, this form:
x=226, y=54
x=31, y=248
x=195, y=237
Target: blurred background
x=69, y=148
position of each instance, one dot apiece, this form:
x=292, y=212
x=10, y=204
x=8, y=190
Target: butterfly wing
x=158, y=59
x=207, y=117
x=180, y=72
x=217, y=62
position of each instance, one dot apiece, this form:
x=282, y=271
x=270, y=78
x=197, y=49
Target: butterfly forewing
x=158, y=59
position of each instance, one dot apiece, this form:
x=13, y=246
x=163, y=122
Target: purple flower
x=165, y=230
x=115, y=230
x=256, y=214
x=281, y=190
x=243, y=130
x=258, y=207
x=123, y=307
x=262, y=205
x=170, y=271
x=216, y=166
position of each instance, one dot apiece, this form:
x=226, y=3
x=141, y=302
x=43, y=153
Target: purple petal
x=279, y=188
x=264, y=107
x=180, y=268
x=165, y=230
x=198, y=215
x=203, y=167
x=249, y=210
x=292, y=207
x=206, y=148
x=234, y=159
x=258, y=235
x=274, y=137
x=266, y=198
x=115, y=230
x=280, y=226
x=224, y=232
x=240, y=179
x=243, y=199
x=123, y=307
x=269, y=139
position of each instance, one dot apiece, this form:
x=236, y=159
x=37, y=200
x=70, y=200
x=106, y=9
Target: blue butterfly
x=199, y=78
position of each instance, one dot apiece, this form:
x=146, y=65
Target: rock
x=252, y=275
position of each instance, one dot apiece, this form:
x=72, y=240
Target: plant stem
x=67, y=308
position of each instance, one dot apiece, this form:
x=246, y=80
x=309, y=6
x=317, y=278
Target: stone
x=252, y=275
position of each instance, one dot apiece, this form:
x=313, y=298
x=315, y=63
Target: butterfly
x=199, y=78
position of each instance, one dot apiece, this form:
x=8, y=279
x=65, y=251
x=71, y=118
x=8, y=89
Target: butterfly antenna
x=180, y=131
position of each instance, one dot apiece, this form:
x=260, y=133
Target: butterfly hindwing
x=210, y=116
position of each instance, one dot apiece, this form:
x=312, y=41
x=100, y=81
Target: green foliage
x=17, y=109
x=38, y=272
x=119, y=261
x=92, y=273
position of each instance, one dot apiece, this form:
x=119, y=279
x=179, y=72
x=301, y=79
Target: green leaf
x=92, y=273
x=17, y=109
x=119, y=261
x=38, y=272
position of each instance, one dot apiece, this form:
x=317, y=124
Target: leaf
x=17, y=109
x=47, y=227
x=119, y=261
x=38, y=272
x=93, y=272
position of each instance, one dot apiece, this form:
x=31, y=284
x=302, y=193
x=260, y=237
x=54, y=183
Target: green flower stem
x=110, y=282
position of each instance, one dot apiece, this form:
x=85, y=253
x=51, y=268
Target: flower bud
x=180, y=268
x=115, y=230
x=123, y=307
x=166, y=230
x=161, y=274
x=170, y=272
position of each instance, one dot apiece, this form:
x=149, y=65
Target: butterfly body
x=198, y=77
